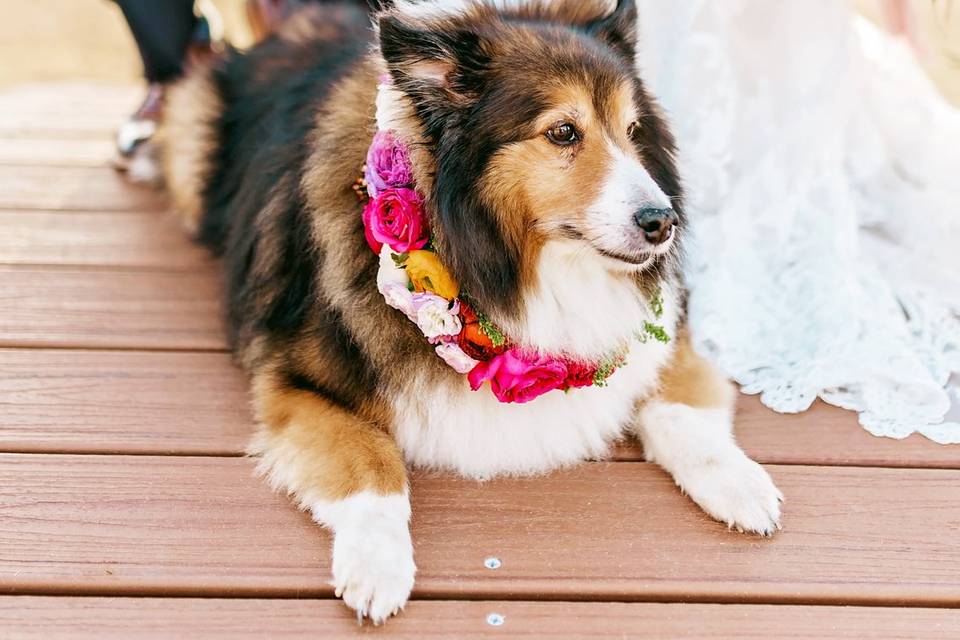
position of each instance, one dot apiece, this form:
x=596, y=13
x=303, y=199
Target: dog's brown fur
x=190, y=140
x=336, y=439
x=262, y=153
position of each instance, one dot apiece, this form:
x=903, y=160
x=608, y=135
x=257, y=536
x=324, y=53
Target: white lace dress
x=823, y=176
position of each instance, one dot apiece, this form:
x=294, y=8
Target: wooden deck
x=127, y=511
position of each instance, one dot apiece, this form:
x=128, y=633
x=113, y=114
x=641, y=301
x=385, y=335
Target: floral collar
x=413, y=280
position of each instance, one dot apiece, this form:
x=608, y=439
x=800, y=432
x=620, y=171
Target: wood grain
x=616, y=531
x=53, y=307
x=57, y=152
x=69, y=110
x=175, y=403
x=122, y=402
x=45, y=618
x=121, y=239
x=111, y=343
x=74, y=189
x=823, y=435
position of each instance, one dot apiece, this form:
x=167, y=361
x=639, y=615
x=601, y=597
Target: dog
x=547, y=177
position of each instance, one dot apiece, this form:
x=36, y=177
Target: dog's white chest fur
x=472, y=433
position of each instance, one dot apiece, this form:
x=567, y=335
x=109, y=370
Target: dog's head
x=538, y=130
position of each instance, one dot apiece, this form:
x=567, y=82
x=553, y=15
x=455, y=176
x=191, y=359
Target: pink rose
x=395, y=218
x=517, y=376
x=388, y=164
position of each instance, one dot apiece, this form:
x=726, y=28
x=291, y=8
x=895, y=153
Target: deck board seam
x=92, y=591
x=93, y=453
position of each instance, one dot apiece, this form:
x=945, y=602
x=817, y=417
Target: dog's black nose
x=657, y=224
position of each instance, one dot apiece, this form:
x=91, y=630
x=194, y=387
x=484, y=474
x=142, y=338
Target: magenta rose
x=395, y=218
x=388, y=164
x=518, y=376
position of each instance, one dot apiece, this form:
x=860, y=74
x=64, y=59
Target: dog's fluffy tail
x=189, y=139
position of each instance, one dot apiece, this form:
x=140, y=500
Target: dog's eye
x=633, y=128
x=563, y=134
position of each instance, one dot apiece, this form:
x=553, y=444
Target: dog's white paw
x=736, y=490
x=373, y=571
x=372, y=552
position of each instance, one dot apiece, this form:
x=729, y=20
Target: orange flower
x=427, y=273
x=473, y=340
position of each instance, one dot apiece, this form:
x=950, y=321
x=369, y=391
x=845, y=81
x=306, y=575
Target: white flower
x=400, y=298
x=454, y=356
x=434, y=315
x=389, y=271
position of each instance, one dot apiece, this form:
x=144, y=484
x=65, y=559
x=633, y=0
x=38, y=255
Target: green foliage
x=656, y=304
x=607, y=366
x=492, y=331
x=654, y=331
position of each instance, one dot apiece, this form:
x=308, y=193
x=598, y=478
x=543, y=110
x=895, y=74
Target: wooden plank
x=174, y=403
x=822, y=435
x=117, y=239
x=66, y=110
x=75, y=189
x=122, y=402
x=57, y=152
x=110, y=309
x=836, y=436
x=114, y=525
x=49, y=618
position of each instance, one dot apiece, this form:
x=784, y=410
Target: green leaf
x=608, y=365
x=656, y=303
x=654, y=331
x=400, y=259
x=492, y=331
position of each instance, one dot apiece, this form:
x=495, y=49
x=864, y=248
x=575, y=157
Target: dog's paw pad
x=373, y=572
x=737, y=491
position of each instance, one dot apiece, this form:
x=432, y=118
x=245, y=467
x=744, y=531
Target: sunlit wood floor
x=128, y=511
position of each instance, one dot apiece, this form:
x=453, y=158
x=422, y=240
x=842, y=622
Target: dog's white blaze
x=471, y=432
x=627, y=188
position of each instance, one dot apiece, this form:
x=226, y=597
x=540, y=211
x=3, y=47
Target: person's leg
x=163, y=30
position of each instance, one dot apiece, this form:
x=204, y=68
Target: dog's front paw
x=736, y=490
x=373, y=571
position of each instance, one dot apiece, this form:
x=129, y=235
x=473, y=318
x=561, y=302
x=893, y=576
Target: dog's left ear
x=618, y=29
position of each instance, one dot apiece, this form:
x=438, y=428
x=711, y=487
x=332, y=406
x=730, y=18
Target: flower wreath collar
x=413, y=280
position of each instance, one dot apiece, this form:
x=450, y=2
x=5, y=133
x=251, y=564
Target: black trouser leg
x=162, y=29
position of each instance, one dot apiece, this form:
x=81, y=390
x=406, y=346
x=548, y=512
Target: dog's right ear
x=440, y=66
x=618, y=29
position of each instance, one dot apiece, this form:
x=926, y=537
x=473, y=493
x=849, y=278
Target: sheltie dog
x=547, y=173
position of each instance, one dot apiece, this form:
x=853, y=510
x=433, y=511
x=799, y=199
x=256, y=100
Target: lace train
x=823, y=177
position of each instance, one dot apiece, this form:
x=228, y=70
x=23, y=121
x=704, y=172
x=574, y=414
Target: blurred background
x=63, y=40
